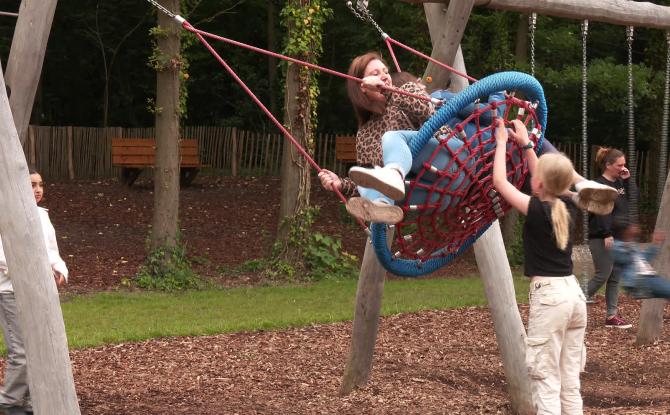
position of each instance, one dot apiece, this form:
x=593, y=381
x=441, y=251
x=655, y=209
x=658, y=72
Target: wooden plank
x=345, y=148
x=619, y=12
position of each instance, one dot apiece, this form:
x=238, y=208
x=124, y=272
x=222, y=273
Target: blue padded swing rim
x=511, y=81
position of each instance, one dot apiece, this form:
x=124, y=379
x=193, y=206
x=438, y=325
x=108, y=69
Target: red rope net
x=450, y=193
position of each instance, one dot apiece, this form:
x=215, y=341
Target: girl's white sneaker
x=386, y=180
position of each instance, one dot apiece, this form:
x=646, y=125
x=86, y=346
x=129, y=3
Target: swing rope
x=585, y=142
x=663, y=158
x=532, y=24
x=632, y=162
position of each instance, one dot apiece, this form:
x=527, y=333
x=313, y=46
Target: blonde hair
x=555, y=172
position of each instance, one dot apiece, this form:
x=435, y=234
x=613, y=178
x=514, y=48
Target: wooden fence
x=85, y=153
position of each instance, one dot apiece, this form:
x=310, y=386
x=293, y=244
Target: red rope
x=192, y=29
x=435, y=61
x=267, y=112
x=395, y=61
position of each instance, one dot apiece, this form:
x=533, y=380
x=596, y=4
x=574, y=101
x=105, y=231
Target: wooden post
x=446, y=39
x=233, y=153
x=499, y=289
x=366, y=319
x=651, y=313
x=26, y=57
x=70, y=153
x=39, y=313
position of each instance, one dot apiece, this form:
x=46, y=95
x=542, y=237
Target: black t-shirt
x=541, y=255
x=600, y=226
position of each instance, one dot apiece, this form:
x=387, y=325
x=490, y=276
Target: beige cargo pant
x=555, y=352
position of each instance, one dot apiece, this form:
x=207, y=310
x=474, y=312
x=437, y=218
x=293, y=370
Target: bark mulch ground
x=433, y=362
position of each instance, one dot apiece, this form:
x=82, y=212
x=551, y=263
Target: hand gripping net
x=450, y=200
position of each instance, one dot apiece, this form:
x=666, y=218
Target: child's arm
x=57, y=264
x=511, y=194
x=520, y=135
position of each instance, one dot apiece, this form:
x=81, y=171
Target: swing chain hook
x=361, y=12
x=162, y=8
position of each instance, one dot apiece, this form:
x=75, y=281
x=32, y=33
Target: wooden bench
x=345, y=149
x=135, y=154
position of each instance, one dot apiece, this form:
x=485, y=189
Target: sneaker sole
x=367, y=180
x=597, y=207
x=370, y=212
x=625, y=326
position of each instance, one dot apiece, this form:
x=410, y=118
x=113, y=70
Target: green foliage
x=304, y=22
x=168, y=269
x=515, y=249
x=320, y=255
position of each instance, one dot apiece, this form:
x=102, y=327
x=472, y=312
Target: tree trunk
x=651, y=313
x=26, y=57
x=497, y=278
x=166, y=173
x=39, y=313
x=521, y=44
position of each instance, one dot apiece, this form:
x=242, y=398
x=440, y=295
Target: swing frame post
x=365, y=327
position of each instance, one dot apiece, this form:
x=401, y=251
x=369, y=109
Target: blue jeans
x=658, y=286
x=604, y=273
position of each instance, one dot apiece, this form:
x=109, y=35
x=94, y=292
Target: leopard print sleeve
x=348, y=187
x=416, y=109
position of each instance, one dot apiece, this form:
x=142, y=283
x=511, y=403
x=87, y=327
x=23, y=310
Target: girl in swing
x=386, y=122
x=557, y=316
x=633, y=262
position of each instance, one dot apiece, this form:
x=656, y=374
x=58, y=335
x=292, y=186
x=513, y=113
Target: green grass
x=103, y=318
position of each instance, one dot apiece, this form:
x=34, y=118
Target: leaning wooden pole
x=26, y=57
x=651, y=313
x=490, y=253
x=510, y=333
x=40, y=317
x=366, y=320
x=619, y=12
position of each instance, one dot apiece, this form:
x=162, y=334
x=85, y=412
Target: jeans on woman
x=604, y=273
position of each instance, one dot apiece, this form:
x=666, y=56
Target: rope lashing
x=450, y=200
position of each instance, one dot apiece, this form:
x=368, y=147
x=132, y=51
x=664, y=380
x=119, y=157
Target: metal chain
x=161, y=8
x=532, y=23
x=585, y=143
x=632, y=164
x=663, y=158
x=361, y=11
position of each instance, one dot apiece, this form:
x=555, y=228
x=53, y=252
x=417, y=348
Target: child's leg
x=572, y=353
x=397, y=157
x=659, y=286
x=16, y=372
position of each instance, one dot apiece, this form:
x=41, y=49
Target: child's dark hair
x=619, y=226
x=401, y=78
x=33, y=170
